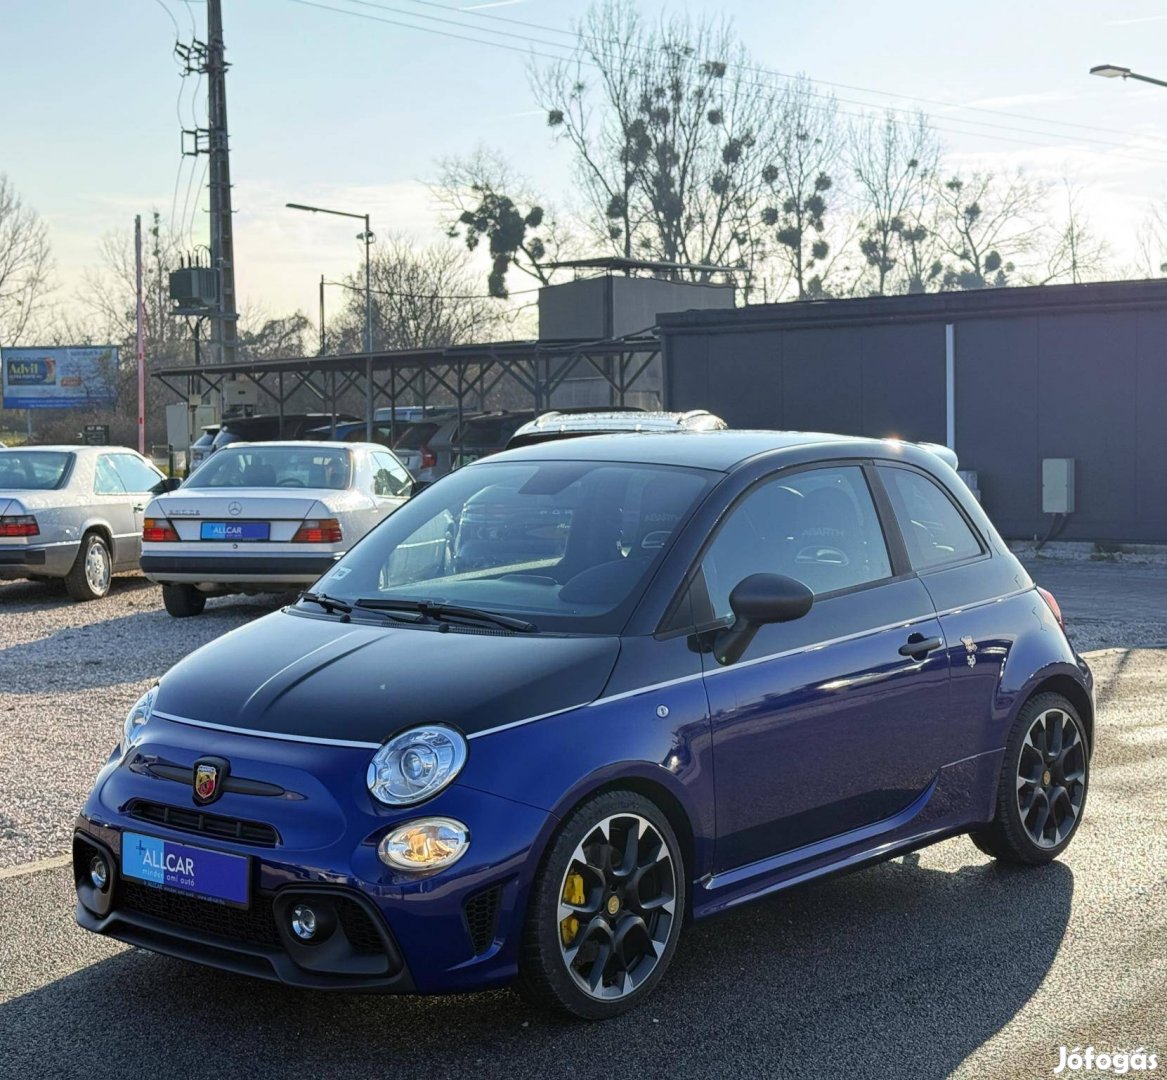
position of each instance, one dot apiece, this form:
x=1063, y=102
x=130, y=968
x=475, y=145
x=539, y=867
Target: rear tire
x=606, y=909
x=89, y=576
x=1041, y=795
x=183, y=601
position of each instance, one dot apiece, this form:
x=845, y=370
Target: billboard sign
x=68, y=378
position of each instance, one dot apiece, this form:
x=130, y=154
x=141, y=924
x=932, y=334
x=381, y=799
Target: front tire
x=89, y=576
x=183, y=601
x=606, y=909
x=1044, y=779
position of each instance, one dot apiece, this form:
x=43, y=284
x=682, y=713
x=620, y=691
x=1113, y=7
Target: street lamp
x=1113, y=71
x=367, y=237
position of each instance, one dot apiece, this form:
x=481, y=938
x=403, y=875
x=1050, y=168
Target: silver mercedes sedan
x=73, y=512
x=266, y=517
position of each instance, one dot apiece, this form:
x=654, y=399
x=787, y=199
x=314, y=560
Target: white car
x=266, y=517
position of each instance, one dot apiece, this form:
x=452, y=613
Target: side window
x=934, y=530
x=137, y=476
x=818, y=526
x=389, y=476
x=105, y=478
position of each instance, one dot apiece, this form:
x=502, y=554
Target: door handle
x=918, y=646
x=139, y=509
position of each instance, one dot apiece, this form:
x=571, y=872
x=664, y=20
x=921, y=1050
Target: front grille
x=358, y=927
x=482, y=917
x=203, y=824
x=256, y=925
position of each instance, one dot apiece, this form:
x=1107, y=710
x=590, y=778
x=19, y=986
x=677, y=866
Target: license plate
x=235, y=530
x=214, y=875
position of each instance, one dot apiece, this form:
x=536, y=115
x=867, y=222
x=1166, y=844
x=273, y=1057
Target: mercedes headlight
x=416, y=764
x=136, y=719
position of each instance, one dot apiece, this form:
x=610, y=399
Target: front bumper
x=458, y=929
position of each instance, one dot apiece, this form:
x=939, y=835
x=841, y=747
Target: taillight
x=19, y=525
x=158, y=531
x=428, y=458
x=319, y=531
x=1054, y=606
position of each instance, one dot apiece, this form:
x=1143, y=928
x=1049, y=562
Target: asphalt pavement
x=940, y=964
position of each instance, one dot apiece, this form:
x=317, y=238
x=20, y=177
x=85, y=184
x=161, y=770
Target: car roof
x=296, y=444
x=719, y=451
x=75, y=448
x=604, y=421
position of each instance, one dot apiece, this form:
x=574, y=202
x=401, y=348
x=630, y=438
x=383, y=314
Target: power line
x=1119, y=151
x=755, y=68
x=170, y=16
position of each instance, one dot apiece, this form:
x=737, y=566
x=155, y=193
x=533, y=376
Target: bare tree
x=1151, y=240
x=667, y=128
x=894, y=162
x=989, y=225
x=801, y=181
x=485, y=199
x=1077, y=253
x=422, y=299
x=25, y=263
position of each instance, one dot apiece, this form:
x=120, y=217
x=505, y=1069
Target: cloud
x=1131, y=22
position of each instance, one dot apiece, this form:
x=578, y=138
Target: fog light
x=98, y=873
x=425, y=844
x=304, y=922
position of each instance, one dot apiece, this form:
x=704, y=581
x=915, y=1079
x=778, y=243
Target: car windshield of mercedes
x=556, y=546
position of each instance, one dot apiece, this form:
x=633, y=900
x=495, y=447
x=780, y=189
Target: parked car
x=201, y=448
x=409, y=414
x=571, y=425
x=354, y=431
x=749, y=659
x=73, y=513
x=266, y=517
x=267, y=427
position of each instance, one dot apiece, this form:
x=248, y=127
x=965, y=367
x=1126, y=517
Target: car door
x=956, y=565
x=835, y=721
x=116, y=505
x=139, y=478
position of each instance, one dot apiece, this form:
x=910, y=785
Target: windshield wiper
x=331, y=604
x=443, y=612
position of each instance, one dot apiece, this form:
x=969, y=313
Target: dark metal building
x=1007, y=377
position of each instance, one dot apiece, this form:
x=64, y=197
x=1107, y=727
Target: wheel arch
x=1074, y=692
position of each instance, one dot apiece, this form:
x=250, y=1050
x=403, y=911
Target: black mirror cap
x=167, y=483
x=770, y=598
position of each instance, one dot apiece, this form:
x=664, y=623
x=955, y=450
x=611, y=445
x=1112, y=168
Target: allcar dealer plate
x=195, y=870
x=234, y=530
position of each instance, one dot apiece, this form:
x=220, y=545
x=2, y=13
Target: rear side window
x=416, y=436
x=818, y=526
x=934, y=529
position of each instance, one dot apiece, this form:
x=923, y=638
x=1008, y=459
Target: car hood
x=316, y=677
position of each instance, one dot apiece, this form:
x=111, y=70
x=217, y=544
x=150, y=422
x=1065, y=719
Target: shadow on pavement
x=897, y=971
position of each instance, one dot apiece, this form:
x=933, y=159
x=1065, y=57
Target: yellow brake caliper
x=573, y=893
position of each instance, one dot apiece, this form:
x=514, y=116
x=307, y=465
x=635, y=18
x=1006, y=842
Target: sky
x=351, y=103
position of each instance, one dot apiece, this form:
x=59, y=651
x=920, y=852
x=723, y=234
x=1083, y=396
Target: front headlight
x=416, y=764
x=136, y=719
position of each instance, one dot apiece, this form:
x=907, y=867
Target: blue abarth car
x=733, y=661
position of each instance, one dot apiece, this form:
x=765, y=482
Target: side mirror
x=167, y=483
x=757, y=601
x=417, y=486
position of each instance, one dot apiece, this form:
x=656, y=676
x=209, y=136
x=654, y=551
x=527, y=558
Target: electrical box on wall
x=1057, y=485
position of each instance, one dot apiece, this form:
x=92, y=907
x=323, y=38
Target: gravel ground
x=68, y=674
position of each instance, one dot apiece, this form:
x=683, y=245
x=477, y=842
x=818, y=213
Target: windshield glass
x=33, y=470
x=273, y=466
x=567, y=545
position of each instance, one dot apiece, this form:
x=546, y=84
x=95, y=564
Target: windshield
x=567, y=545
x=274, y=466
x=33, y=470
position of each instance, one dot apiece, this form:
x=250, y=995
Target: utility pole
x=219, y=171
x=140, y=335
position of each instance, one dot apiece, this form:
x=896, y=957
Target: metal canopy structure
x=461, y=376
